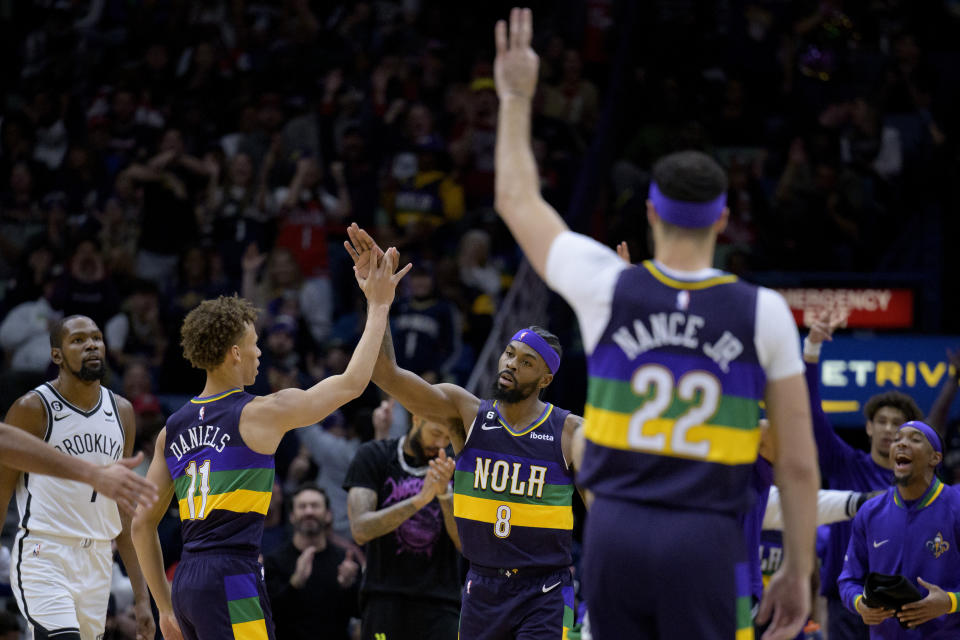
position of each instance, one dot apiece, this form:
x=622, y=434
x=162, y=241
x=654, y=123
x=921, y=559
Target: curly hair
x=896, y=400
x=213, y=327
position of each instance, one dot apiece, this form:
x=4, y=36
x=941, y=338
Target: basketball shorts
x=532, y=604
x=221, y=597
x=650, y=572
x=62, y=584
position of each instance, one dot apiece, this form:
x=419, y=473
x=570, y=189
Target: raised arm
x=533, y=222
x=940, y=411
x=264, y=420
x=832, y=452
x=446, y=404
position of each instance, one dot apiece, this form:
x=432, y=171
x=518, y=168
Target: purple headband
x=538, y=344
x=926, y=430
x=691, y=215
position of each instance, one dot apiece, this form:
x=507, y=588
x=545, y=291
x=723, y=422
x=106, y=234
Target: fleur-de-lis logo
x=938, y=546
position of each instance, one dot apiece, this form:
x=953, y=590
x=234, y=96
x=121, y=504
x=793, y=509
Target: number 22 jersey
x=223, y=487
x=677, y=364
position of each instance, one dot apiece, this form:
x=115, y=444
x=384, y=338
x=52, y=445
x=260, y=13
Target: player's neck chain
x=413, y=471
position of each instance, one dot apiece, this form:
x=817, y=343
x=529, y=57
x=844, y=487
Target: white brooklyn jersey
x=66, y=507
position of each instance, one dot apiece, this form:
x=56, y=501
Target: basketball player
x=20, y=451
x=679, y=357
x=64, y=561
x=513, y=482
x=217, y=456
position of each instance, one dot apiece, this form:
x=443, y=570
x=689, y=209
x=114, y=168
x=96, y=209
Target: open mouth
x=506, y=379
x=902, y=462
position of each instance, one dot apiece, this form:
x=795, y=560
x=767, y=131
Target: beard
x=88, y=373
x=513, y=395
x=419, y=452
x=308, y=526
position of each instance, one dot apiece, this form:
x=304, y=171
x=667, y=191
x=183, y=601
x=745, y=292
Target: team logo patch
x=938, y=546
x=57, y=406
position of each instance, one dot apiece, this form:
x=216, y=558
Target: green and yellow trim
x=856, y=601
x=536, y=423
x=682, y=284
x=936, y=488
x=521, y=515
x=240, y=501
x=219, y=396
x=727, y=445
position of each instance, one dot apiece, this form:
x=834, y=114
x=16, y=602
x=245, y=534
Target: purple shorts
x=652, y=572
x=531, y=604
x=221, y=597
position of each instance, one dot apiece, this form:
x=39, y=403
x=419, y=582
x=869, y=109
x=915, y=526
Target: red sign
x=864, y=308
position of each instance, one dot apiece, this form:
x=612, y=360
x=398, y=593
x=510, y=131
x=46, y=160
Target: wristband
x=811, y=348
x=953, y=601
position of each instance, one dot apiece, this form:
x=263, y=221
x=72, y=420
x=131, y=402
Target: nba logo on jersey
x=201, y=414
x=683, y=300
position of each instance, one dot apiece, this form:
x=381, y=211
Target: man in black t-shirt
x=312, y=583
x=401, y=506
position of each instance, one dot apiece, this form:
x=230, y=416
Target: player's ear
x=56, y=354
x=545, y=380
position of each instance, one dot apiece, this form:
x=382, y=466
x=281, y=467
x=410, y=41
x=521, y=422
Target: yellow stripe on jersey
x=240, y=501
x=727, y=445
x=253, y=630
x=521, y=515
x=683, y=284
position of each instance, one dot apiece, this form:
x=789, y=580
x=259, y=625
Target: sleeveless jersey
x=223, y=487
x=66, y=507
x=513, y=492
x=674, y=387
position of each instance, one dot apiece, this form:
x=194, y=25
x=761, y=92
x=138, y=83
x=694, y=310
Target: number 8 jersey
x=513, y=492
x=222, y=486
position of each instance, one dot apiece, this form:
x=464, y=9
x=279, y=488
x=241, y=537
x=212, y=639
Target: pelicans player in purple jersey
x=679, y=356
x=513, y=482
x=216, y=455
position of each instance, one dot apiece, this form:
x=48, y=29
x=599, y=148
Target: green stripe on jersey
x=227, y=481
x=618, y=396
x=554, y=495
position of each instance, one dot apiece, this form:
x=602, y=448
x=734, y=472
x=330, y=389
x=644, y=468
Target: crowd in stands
x=155, y=154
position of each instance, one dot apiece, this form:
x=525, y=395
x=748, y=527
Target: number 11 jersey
x=223, y=487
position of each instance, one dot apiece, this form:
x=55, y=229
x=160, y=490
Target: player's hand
x=347, y=572
x=126, y=488
x=169, y=627
x=516, y=64
x=934, y=605
x=303, y=569
x=787, y=601
x=445, y=467
x=362, y=249
x=146, y=629
x=380, y=285
x=873, y=615
x=823, y=327
x=624, y=252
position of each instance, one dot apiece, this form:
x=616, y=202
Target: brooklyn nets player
x=62, y=557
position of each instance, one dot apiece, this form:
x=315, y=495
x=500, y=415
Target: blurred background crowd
x=155, y=153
